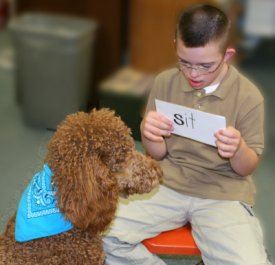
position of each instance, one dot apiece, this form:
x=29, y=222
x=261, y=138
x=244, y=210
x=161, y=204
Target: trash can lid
x=55, y=25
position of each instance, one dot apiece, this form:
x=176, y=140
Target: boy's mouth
x=195, y=84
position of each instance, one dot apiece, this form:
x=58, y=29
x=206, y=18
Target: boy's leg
x=143, y=217
x=227, y=233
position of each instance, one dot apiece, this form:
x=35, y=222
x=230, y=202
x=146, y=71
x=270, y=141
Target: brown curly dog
x=93, y=161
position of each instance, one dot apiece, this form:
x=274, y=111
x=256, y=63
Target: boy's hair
x=202, y=24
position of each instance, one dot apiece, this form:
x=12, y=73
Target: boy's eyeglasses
x=202, y=70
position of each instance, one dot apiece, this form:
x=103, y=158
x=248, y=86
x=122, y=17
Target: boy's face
x=202, y=66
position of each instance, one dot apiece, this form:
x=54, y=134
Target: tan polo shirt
x=194, y=168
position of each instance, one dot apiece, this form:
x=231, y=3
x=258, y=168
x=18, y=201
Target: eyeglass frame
x=198, y=68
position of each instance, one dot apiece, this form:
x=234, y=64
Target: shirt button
x=198, y=106
x=199, y=94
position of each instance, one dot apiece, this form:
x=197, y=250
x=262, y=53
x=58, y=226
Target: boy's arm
x=154, y=127
x=245, y=160
x=231, y=145
x=156, y=150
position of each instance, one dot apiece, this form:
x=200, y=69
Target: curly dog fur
x=94, y=161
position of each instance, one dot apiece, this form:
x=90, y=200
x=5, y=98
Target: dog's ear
x=87, y=193
x=86, y=190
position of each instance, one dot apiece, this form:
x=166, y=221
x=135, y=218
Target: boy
x=210, y=187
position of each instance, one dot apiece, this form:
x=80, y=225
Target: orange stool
x=178, y=241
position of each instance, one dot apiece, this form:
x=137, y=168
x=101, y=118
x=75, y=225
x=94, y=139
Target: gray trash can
x=53, y=60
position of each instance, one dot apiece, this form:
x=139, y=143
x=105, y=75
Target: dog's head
x=87, y=153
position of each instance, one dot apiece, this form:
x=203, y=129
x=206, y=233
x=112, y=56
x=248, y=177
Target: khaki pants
x=227, y=232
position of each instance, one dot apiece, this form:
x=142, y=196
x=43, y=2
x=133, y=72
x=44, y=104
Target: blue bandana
x=37, y=214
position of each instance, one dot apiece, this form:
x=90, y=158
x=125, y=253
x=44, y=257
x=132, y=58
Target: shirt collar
x=228, y=81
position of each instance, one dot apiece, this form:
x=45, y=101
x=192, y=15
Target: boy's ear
x=229, y=53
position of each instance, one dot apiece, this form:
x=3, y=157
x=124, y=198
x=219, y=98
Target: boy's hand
x=228, y=141
x=155, y=126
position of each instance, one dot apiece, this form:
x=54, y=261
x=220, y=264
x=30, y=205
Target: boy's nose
x=194, y=72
